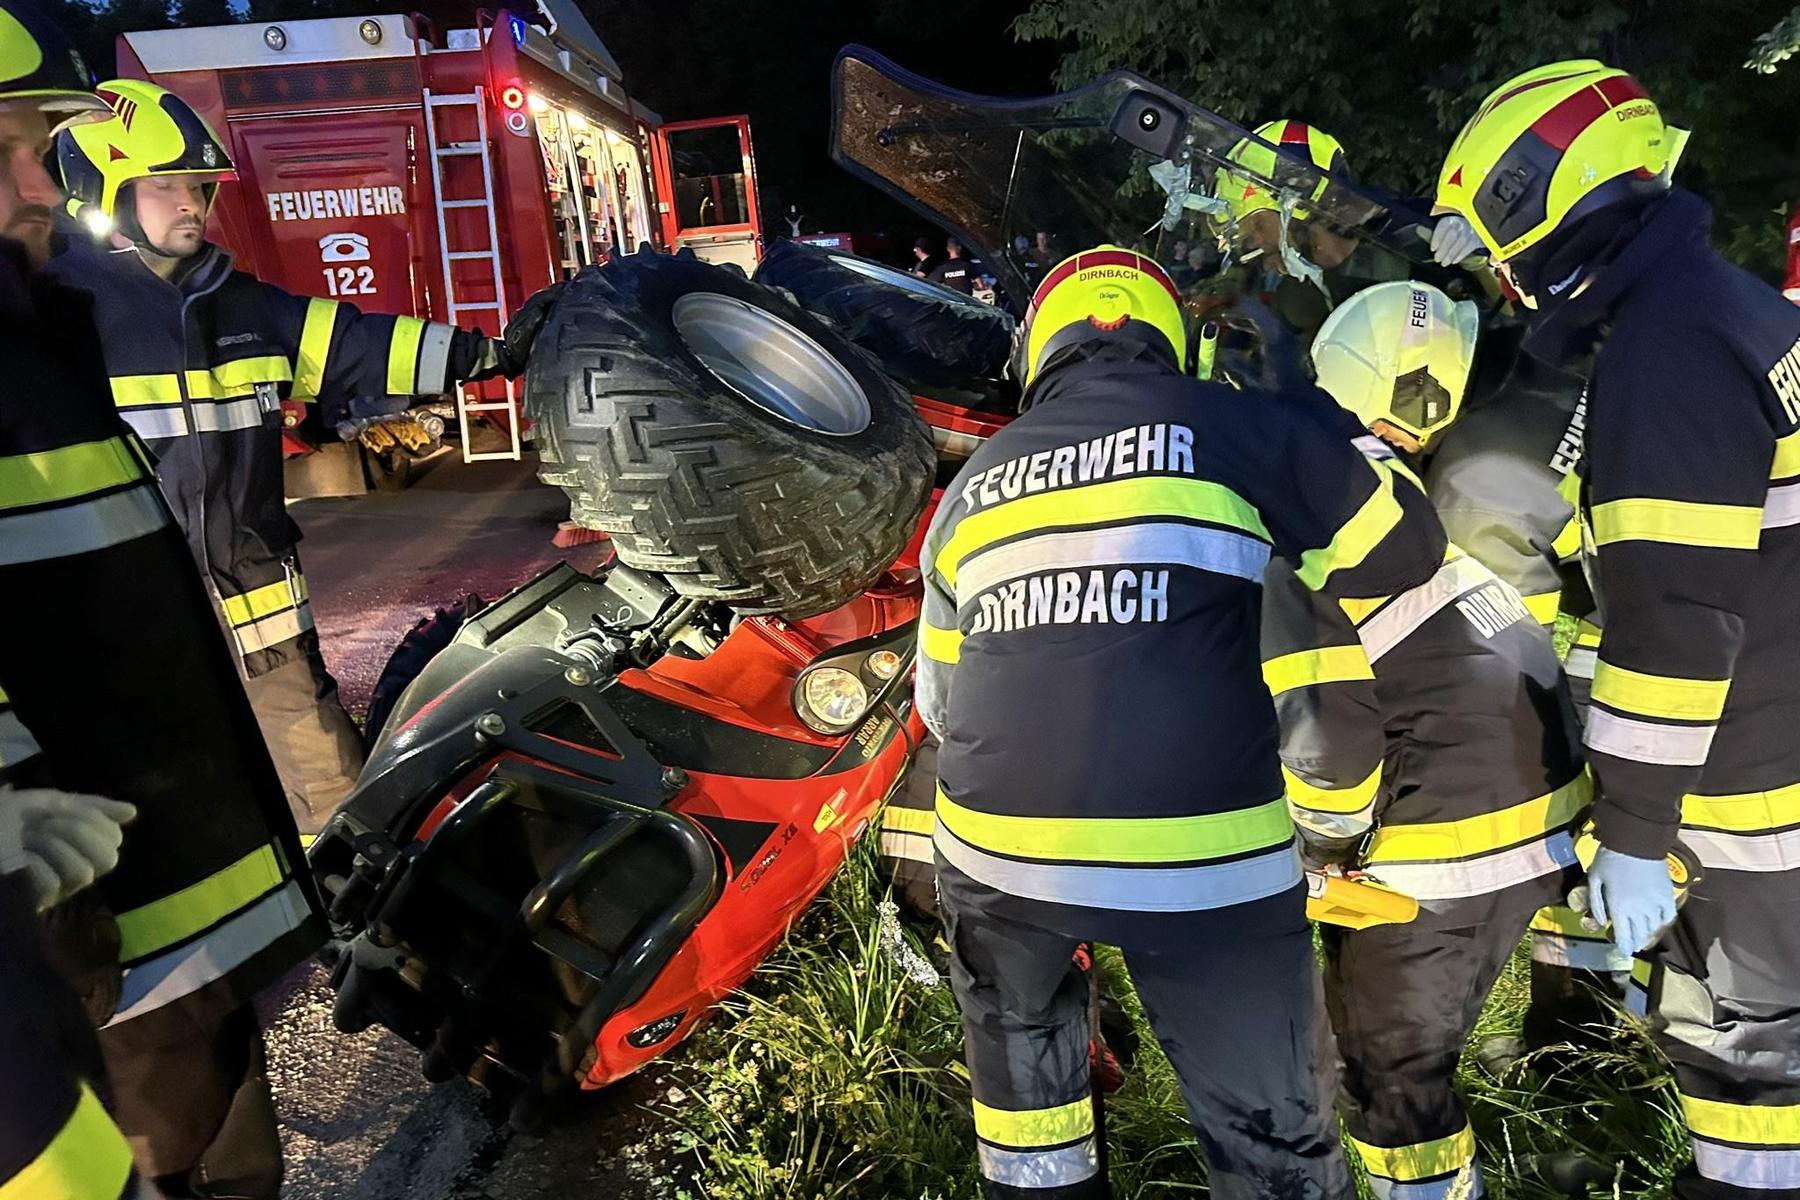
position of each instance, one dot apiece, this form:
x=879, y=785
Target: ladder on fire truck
x=468, y=402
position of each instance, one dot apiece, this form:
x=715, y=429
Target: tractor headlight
x=831, y=699
x=884, y=665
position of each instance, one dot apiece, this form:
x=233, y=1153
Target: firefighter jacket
x=55, y=1138
x=1690, y=509
x=1690, y=502
x=1502, y=480
x=199, y=368
x=1427, y=737
x=114, y=671
x=1090, y=635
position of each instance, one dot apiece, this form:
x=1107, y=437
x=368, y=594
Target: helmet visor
x=1121, y=161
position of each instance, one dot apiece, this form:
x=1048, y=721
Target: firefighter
x=1687, y=496
x=1427, y=740
x=200, y=356
x=206, y=905
x=1105, y=552
x=1500, y=480
x=1318, y=266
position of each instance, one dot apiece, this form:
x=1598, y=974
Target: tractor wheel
x=932, y=340
x=723, y=437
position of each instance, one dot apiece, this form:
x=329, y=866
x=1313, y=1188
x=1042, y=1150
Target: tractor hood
x=1120, y=160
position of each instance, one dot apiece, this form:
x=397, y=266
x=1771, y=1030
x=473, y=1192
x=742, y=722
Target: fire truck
x=448, y=175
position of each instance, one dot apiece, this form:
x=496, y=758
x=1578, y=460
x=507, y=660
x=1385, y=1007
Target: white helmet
x=1398, y=352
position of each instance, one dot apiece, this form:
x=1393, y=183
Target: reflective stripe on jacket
x=199, y=368
x=115, y=671
x=1690, y=489
x=1091, y=628
x=1427, y=736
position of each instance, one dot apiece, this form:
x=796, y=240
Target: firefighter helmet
x=1244, y=192
x=153, y=132
x=1550, y=146
x=1398, y=352
x=1104, y=291
x=38, y=66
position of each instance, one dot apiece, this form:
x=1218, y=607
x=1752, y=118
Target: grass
x=838, y=1074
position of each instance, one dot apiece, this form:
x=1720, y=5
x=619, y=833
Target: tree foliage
x=1776, y=46
x=1395, y=79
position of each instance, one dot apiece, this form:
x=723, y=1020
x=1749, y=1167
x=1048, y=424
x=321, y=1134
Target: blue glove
x=1635, y=894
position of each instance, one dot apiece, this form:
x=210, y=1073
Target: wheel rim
x=772, y=364
x=907, y=281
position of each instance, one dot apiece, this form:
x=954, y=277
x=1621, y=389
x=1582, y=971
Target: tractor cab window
x=708, y=165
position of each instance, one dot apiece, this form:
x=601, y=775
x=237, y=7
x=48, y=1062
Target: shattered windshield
x=1027, y=182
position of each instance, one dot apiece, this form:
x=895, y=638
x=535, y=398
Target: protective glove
x=513, y=351
x=62, y=841
x=1453, y=240
x=1326, y=854
x=1635, y=894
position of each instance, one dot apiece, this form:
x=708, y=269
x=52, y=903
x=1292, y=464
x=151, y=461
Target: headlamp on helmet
x=152, y=133
x=1108, y=291
x=1400, y=353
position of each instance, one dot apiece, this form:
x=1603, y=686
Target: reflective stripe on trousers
x=1445, y=1156
x=1746, y=1145
x=1637, y=992
x=269, y=615
x=1037, y=1148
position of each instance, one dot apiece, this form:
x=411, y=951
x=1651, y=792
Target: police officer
x=957, y=272
x=120, y=688
x=1428, y=740
x=200, y=355
x=1109, y=767
x=1688, y=502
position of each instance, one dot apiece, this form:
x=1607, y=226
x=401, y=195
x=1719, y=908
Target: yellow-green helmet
x=1245, y=195
x=39, y=67
x=1101, y=291
x=1398, y=352
x=1549, y=147
x=152, y=132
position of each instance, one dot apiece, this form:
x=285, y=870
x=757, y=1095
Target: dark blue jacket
x=1690, y=489
x=1090, y=643
x=199, y=368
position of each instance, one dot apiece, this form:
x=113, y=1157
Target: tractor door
x=706, y=189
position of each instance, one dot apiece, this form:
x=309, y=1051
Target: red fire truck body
x=447, y=177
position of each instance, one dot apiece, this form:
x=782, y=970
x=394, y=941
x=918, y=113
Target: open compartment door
x=706, y=189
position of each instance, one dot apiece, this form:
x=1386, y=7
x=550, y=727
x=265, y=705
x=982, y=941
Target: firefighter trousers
x=190, y=1090
x=187, y=1083
x=1239, y=1020
x=1578, y=981
x=316, y=747
x=1723, y=998
x=1403, y=999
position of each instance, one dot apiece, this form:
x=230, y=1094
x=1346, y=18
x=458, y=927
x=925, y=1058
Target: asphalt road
x=359, y=1120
